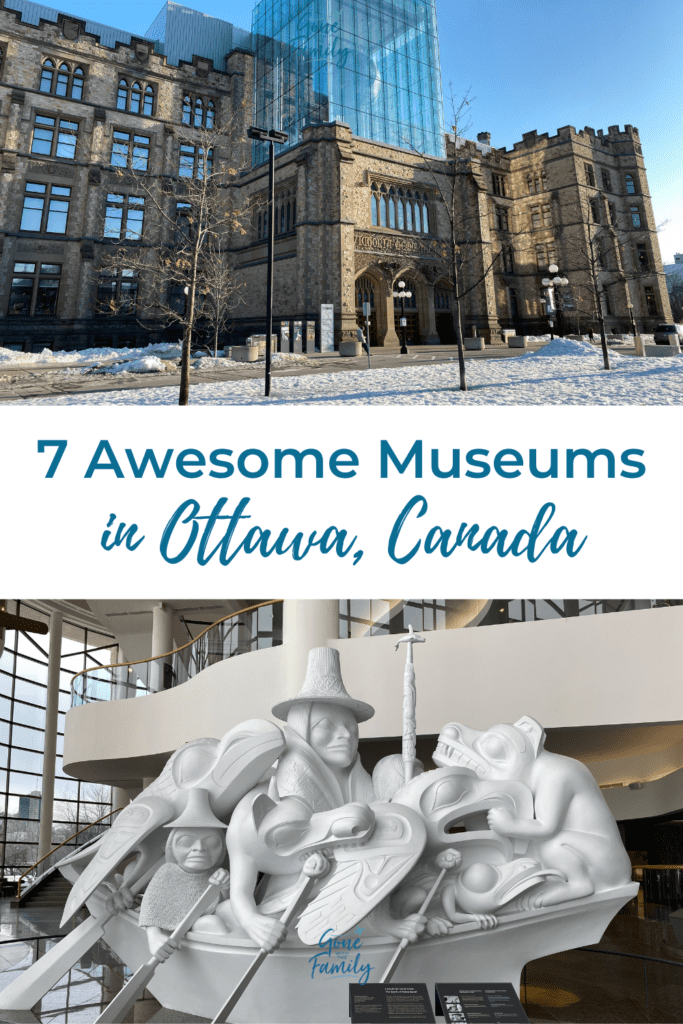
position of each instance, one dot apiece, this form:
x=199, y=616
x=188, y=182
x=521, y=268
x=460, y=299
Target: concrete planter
x=475, y=344
x=350, y=348
x=518, y=341
x=662, y=350
x=244, y=353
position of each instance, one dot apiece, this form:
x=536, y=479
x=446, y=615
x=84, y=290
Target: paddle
x=117, y=1009
x=445, y=860
x=31, y=985
x=314, y=868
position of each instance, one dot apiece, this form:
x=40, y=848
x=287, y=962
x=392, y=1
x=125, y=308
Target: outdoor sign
x=327, y=328
x=404, y=322
x=479, y=1004
x=366, y=309
x=390, y=1004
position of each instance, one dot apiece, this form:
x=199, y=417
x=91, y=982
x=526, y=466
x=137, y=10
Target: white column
x=306, y=624
x=50, y=748
x=162, y=642
x=120, y=678
x=119, y=798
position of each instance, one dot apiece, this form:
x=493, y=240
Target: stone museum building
x=99, y=132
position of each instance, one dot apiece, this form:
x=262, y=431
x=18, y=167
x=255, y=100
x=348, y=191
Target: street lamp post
x=271, y=136
x=550, y=283
x=402, y=294
x=634, y=329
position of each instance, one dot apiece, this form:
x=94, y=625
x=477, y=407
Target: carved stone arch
x=382, y=332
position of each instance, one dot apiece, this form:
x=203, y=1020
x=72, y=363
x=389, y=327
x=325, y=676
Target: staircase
x=49, y=891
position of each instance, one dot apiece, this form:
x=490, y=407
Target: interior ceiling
x=606, y=742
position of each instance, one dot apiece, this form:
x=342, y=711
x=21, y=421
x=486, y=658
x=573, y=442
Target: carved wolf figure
x=572, y=830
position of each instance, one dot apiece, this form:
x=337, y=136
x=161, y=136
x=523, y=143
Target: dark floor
x=576, y=987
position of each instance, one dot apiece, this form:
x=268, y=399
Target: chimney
x=484, y=137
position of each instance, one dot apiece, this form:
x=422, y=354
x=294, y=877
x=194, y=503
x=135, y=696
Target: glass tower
x=371, y=63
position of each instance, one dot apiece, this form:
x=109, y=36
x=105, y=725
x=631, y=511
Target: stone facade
x=343, y=236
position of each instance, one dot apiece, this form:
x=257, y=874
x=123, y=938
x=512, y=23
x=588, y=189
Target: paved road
x=30, y=381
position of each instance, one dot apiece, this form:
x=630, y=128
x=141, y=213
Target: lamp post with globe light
x=402, y=294
x=549, y=284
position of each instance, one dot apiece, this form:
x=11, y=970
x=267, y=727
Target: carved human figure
x=318, y=798
x=195, y=849
x=572, y=830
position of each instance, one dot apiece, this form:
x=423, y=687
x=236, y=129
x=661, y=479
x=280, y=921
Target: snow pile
x=145, y=364
x=284, y=359
x=209, y=362
x=87, y=355
x=568, y=347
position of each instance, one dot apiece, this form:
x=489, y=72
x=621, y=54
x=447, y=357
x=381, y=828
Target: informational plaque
x=327, y=328
x=390, y=1004
x=479, y=1004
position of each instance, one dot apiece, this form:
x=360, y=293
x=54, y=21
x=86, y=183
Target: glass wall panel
x=23, y=689
x=375, y=66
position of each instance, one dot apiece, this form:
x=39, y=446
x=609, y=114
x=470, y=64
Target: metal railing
x=221, y=640
x=66, y=853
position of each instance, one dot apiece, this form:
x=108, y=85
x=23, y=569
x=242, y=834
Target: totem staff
x=409, y=701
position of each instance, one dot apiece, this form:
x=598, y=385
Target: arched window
x=282, y=219
x=365, y=292
x=187, y=110
x=135, y=98
x=425, y=216
x=61, y=80
x=409, y=213
x=289, y=211
x=63, y=76
x=392, y=208
x=47, y=76
x=258, y=229
x=417, y=217
x=148, y=102
x=293, y=213
x=198, y=112
x=210, y=114
x=383, y=211
x=122, y=95
x=77, y=84
x=442, y=299
x=401, y=219
x=374, y=208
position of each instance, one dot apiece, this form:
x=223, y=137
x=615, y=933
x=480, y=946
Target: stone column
x=306, y=624
x=162, y=642
x=50, y=748
x=428, y=332
x=391, y=338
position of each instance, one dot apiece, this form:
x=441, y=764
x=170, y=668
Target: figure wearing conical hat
x=195, y=850
x=319, y=798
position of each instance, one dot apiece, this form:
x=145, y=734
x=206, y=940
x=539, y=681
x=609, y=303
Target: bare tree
x=469, y=262
x=182, y=261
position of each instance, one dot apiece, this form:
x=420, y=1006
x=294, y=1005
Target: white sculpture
x=538, y=866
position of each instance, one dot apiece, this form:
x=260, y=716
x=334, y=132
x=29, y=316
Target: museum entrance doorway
x=365, y=292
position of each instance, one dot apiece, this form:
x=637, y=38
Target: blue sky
x=538, y=64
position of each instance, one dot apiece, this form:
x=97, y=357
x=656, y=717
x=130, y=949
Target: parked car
x=663, y=333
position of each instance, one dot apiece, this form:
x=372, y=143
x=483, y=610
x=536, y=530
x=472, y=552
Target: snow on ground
x=534, y=379
x=145, y=364
x=567, y=347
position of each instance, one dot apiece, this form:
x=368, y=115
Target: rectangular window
x=129, y=150
x=34, y=290
x=117, y=291
x=536, y=217
x=508, y=261
x=651, y=302
x=595, y=211
x=606, y=181
x=194, y=164
x=124, y=217
x=501, y=218
x=53, y=136
x=547, y=219
x=499, y=185
x=541, y=260
x=643, y=257
x=590, y=175
x=612, y=214
x=635, y=216
x=46, y=208
x=183, y=212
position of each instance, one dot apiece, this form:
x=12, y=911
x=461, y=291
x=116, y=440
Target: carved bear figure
x=572, y=830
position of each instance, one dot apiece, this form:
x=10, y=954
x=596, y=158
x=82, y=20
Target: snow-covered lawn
x=562, y=373
x=8, y=357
